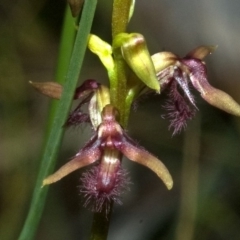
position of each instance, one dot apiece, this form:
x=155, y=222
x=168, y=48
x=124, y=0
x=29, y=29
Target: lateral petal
x=143, y=157
x=89, y=154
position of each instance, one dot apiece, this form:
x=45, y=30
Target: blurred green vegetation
x=29, y=41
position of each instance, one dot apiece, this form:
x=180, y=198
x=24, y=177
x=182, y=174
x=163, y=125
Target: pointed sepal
x=201, y=52
x=49, y=89
x=137, y=154
x=221, y=100
x=88, y=155
x=214, y=96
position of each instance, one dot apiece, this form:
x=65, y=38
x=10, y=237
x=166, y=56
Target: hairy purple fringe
x=179, y=110
x=96, y=199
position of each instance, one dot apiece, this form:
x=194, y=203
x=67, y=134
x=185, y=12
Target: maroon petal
x=89, y=154
x=137, y=154
x=214, y=96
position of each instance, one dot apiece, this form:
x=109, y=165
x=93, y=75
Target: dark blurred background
x=204, y=160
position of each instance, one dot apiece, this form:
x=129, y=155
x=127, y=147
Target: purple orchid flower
x=105, y=181
x=179, y=75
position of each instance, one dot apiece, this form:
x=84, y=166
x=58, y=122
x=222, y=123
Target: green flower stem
x=118, y=84
x=100, y=224
x=55, y=136
x=121, y=9
x=118, y=87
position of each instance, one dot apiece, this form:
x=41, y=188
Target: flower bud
x=102, y=49
x=136, y=54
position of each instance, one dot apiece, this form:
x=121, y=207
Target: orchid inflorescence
x=162, y=71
